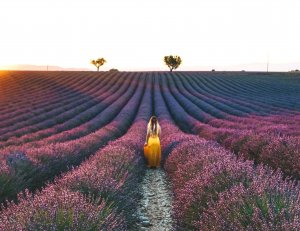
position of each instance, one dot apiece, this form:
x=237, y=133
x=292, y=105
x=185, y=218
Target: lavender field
x=71, y=148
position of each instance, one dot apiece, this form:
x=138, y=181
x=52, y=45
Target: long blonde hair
x=153, y=127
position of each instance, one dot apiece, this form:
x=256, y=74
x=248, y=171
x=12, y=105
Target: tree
x=172, y=62
x=98, y=63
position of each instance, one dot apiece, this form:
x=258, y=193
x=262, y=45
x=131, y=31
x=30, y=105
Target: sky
x=137, y=34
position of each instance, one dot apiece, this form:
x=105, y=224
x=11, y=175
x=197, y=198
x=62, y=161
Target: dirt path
x=154, y=211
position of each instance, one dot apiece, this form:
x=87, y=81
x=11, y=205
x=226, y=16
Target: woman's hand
x=145, y=144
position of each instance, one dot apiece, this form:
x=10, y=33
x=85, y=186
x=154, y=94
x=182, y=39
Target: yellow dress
x=152, y=151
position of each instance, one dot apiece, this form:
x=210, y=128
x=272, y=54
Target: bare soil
x=154, y=212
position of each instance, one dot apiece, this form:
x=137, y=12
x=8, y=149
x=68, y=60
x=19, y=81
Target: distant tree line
x=172, y=61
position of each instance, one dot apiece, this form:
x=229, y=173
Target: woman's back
x=152, y=149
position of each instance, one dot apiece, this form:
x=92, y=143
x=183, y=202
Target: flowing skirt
x=152, y=152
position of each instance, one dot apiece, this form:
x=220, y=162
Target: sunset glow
x=137, y=34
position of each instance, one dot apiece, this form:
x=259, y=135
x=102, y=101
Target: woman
x=152, y=150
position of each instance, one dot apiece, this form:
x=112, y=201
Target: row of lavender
x=32, y=167
x=182, y=116
x=80, y=124
x=214, y=190
x=272, y=140
x=271, y=89
x=220, y=97
x=213, y=111
x=97, y=195
x=43, y=90
x=80, y=106
x=213, y=104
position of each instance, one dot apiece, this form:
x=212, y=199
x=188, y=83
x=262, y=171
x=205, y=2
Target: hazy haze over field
x=136, y=34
